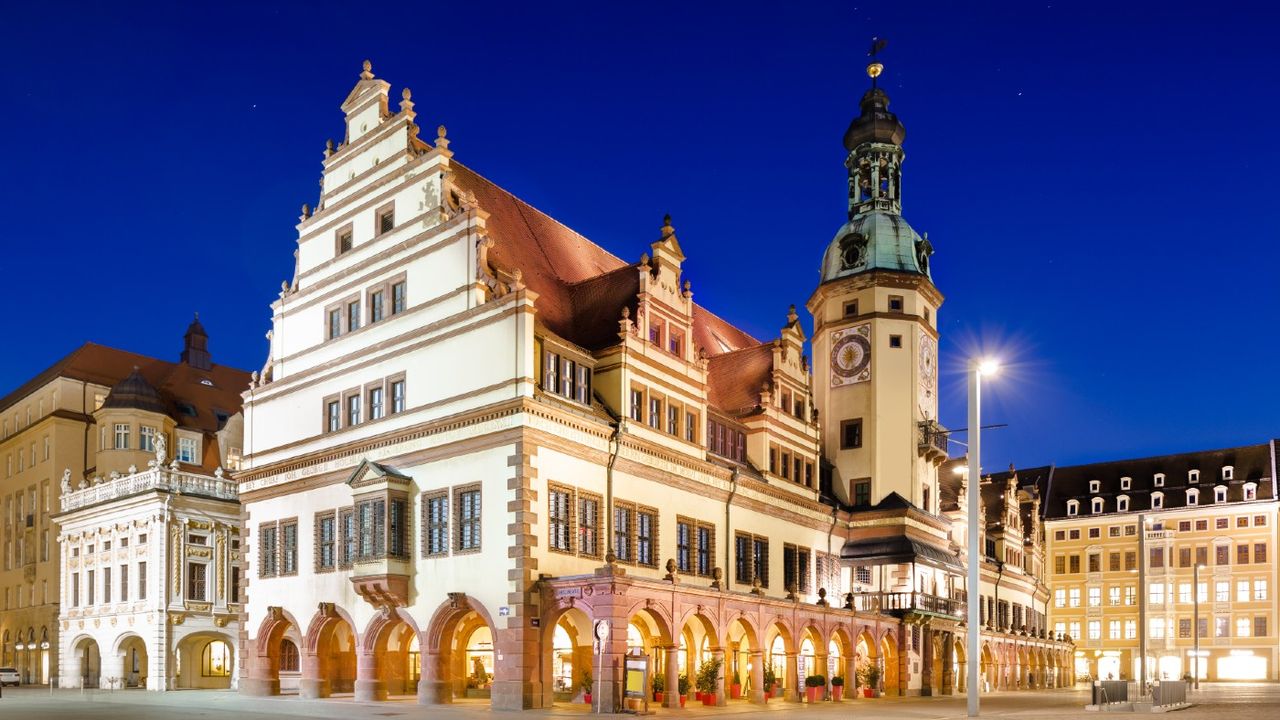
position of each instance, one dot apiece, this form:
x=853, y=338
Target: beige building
x=487, y=458
x=76, y=416
x=1215, y=511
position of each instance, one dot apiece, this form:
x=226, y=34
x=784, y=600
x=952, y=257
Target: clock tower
x=875, y=343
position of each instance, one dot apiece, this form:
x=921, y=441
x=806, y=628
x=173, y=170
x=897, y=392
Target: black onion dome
x=875, y=124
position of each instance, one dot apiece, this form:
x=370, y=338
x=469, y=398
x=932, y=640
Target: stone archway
x=811, y=656
x=263, y=659
x=988, y=669
x=86, y=662
x=890, y=672
x=781, y=659
x=130, y=650
x=840, y=658
x=328, y=654
x=204, y=659
x=567, y=655
x=745, y=658
x=382, y=664
x=700, y=643
x=649, y=631
x=458, y=655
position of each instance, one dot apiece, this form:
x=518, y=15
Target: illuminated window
x=216, y=660
x=1242, y=627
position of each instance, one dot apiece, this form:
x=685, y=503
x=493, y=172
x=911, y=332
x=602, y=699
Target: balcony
x=158, y=478
x=932, y=440
x=907, y=602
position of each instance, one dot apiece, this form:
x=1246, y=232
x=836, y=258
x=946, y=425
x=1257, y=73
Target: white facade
x=149, y=565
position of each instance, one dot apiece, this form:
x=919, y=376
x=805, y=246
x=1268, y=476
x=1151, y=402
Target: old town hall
x=486, y=458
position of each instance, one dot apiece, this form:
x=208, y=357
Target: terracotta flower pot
x=682, y=699
x=697, y=696
x=735, y=691
x=866, y=692
x=586, y=698
x=657, y=697
x=837, y=693
x=709, y=699
x=811, y=694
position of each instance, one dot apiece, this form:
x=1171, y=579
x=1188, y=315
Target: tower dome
x=876, y=237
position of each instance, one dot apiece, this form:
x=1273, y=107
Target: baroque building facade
x=486, y=457
x=79, y=430
x=1186, y=542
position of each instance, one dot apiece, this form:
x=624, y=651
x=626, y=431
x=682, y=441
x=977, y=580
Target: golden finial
x=874, y=68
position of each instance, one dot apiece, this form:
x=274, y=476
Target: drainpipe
x=999, y=577
x=835, y=520
x=728, y=526
x=615, y=443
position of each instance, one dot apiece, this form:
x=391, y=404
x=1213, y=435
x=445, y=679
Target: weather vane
x=874, y=68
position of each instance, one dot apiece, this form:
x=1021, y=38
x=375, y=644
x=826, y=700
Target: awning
x=899, y=549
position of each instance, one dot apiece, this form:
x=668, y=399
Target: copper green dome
x=876, y=240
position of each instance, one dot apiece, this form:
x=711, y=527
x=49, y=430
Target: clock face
x=851, y=355
x=928, y=374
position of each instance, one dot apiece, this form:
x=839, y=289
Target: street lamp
x=1143, y=522
x=1195, y=626
x=977, y=368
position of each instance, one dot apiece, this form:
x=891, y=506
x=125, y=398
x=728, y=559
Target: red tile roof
x=176, y=383
x=734, y=379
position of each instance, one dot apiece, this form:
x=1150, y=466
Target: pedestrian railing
x=1106, y=692
x=1168, y=692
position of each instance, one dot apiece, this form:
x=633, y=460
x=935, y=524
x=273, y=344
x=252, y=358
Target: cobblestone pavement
x=1220, y=702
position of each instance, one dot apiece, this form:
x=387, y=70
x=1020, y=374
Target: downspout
x=728, y=525
x=999, y=577
x=831, y=559
x=84, y=411
x=615, y=442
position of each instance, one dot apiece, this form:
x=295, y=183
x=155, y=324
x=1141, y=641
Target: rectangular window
x=371, y=526
x=386, y=220
x=376, y=306
x=1222, y=627
x=333, y=416
x=233, y=595
x=690, y=427
x=1095, y=562
x=397, y=527
x=1130, y=629
x=289, y=548
x=1184, y=557
x=582, y=389
x=895, y=341
x=106, y=585
x=1242, y=554
x=675, y=342
x=142, y=580
x=189, y=450
x=1222, y=554
x=399, y=298
x=1157, y=557
x=1259, y=589
x=335, y=323
x=862, y=493
x=268, y=551
x=646, y=537
x=344, y=240
x=121, y=438
x=568, y=377
x=1074, y=597
x=673, y=420
x=435, y=518
x=1095, y=629
x=637, y=405
x=1113, y=595
x=347, y=527
x=147, y=439
x=802, y=565
x=1095, y=597
x=196, y=581
x=1074, y=562
x=1222, y=591
x=1260, y=626
x=353, y=410
x=560, y=519
x=1130, y=561
x=1260, y=552
x=655, y=412
x=760, y=559
x=1184, y=628
x=588, y=525
x=851, y=434
x=353, y=316
x=468, y=502
x=1113, y=562
x=1060, y=598
x=1242, y=591
x=742, y=558
x=326, y=541
x=375, y=403
x=397, y=396
x=124, y=583
x=684, y=545
x=706, y=541
x=622, y=521
x=75, y=591
x=895, y=303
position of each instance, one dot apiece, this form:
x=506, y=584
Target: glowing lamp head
x=988, y=366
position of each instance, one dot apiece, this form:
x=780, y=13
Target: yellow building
x=69, y=417
x=1215, y=511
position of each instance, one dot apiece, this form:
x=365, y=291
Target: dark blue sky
x=1098, y=180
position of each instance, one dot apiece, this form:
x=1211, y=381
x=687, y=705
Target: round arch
x=456, y=652
x=889, y=663
x=385, y=647
x=328, y=653
x=567, y=653
x=204, y=659
x=86, y=664
x=132, y=651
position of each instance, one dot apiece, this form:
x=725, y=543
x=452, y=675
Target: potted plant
x=871, y=681
x=814, y=686
x=708, y=674
x=837, y=688
x=586, y=686
x=683, y=684
x=659, y=685
x=735, y=689
x=770, y=682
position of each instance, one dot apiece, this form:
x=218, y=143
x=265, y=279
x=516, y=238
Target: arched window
x=1250, y=491
x=288, y=656
x=1193, y=496
x=1122, y=503
x=1157, y=500
x=1073, y=508
x=1220, y=493
x=216, y=660
x=1097, y=505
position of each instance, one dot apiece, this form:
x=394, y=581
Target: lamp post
x=1143, y=522
x=1195, y=626
x=973, y=652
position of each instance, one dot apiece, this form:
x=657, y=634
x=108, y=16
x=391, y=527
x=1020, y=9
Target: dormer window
x=1193, y=497
x=565, y=377
x=1097, y=506
x=1122, y=503
x=1073, y=508
x=1095, y=485
x=1193, y=476
x=1157, y=500
x=1250, y=491
x=1228, y=473
x=1159, y=480
x=1220, y=493
x=1126, y=483
x=675, y=342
